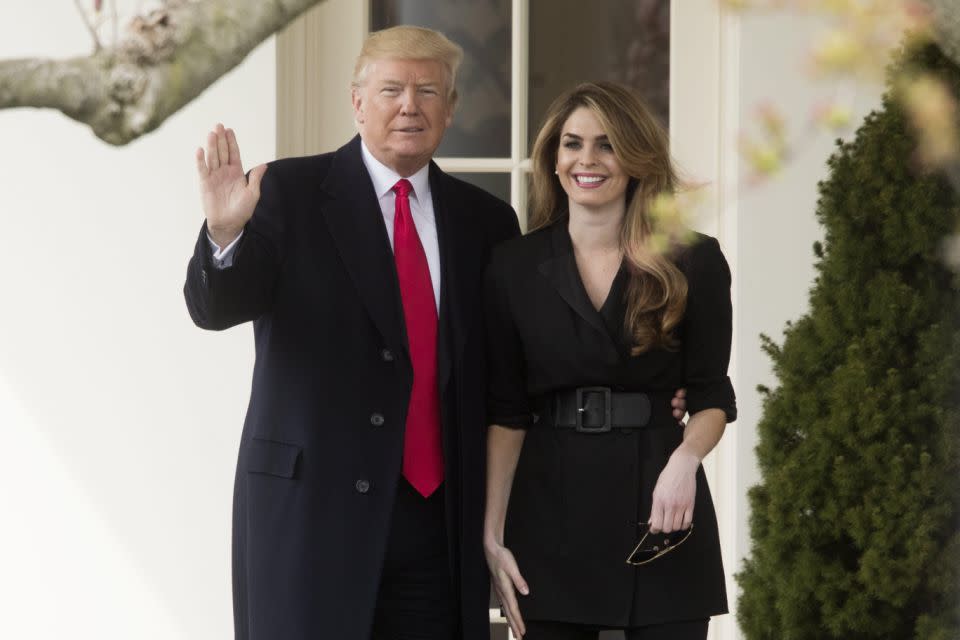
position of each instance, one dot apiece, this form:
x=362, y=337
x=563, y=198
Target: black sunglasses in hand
x=654, y=545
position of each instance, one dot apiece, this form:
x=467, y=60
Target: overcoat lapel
x=455, y=249
x=355, y=221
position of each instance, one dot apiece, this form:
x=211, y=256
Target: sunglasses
x=654, y=545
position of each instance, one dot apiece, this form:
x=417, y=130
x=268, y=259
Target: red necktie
x=422, y=446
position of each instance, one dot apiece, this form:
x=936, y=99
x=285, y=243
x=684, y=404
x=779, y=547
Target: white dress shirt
x=383, y=178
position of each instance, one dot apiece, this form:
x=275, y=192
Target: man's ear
x=451, y=107
x=357, y=100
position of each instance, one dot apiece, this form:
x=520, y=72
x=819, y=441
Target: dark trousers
x=416, y=600
x=692, y=630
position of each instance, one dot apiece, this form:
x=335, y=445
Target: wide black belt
x=601, y=409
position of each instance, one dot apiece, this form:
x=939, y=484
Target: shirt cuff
x=223, y=258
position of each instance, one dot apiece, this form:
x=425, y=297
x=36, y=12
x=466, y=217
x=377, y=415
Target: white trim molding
x=704, y=120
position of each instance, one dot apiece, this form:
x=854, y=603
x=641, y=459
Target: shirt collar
x=384, y=177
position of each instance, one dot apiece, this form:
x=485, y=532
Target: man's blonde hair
x=407, y=42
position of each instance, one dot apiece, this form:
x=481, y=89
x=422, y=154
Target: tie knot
x=403, y=188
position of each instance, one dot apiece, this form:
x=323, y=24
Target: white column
x=704, y=59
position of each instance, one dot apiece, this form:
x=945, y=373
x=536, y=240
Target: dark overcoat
x=321, y=450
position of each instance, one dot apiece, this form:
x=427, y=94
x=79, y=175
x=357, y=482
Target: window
x=518, y=56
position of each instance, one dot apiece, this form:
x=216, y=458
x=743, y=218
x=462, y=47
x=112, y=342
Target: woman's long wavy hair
x=657, y=293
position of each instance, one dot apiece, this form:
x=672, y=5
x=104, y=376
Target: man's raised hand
x=228, y=197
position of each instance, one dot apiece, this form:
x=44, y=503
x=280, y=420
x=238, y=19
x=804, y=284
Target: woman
x=590, y=329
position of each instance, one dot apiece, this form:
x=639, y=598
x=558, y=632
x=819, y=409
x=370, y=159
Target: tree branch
x=73, y=86
x=114, y=20
x=164, y=61
x=88, y=25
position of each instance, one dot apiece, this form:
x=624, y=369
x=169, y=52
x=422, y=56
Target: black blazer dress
x=577, y=498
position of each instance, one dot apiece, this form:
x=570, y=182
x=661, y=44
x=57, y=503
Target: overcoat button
x=362, y=486
x=377, y=420
x=387, y=355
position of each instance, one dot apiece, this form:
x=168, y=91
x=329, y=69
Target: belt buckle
x=605, y=427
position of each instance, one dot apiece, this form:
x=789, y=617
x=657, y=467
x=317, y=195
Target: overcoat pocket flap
x=272, y=457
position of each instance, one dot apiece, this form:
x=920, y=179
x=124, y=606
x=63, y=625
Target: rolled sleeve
x=708, y=328
x=507, y=402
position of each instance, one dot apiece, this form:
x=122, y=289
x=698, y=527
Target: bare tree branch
x=88, y=25
x=164, y=60
x=114, y=23
x=168, y=57
x=75, y=87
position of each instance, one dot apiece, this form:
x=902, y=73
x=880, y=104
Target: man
x=359, y=488
x=358, y=501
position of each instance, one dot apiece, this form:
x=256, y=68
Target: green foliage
x=856, y=522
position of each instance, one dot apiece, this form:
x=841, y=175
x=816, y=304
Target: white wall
x=119, y=420
x=723, y=66
x=775, y=223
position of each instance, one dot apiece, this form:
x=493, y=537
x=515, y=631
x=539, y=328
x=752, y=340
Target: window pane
x=481, y=125
x=496, y=183
x=627, y=41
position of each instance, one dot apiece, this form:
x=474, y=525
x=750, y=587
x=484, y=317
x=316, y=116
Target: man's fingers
x=222, y=146
x=233, y=148
x=213, y=152
x=256, y=175
x=687, y=518
x=202, y=168
x=679, y=404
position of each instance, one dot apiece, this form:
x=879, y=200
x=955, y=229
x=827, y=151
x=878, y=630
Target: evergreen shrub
x=854, y=524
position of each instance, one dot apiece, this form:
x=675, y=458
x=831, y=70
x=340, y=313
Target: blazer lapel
x=561, y=271
x=355, y=221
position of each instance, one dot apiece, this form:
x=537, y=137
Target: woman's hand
x=507, y=580
x=674, y=495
